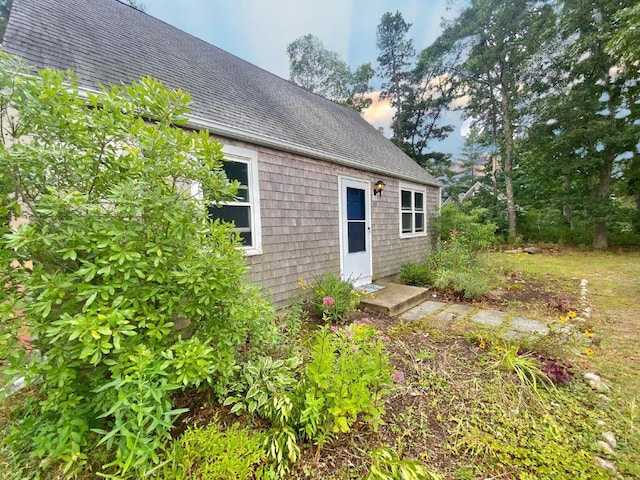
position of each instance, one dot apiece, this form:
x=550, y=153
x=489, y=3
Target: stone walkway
x=444, y=315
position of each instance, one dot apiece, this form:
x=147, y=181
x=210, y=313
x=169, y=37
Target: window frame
x=413, y=189
x=250, y=158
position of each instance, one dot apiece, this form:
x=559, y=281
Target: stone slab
x=528, y=325
x=423, y=310
x=490, y=318
x=454, y=312
x=395, y=299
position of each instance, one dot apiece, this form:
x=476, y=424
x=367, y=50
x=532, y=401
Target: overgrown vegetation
x=128, y=292
x=331, y=298
x=455, y=262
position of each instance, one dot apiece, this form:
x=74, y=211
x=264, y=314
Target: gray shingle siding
x=300, y=222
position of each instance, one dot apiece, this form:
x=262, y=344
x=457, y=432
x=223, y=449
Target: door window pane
x=355, y=204
x=356, y=237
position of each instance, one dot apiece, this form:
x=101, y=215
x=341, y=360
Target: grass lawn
x=464, y=406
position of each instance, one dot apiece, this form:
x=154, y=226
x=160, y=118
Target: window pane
x=232, y=213
x=419, y=205
x=243, y=194
x=406, y=223
x=355, y=204
x=406, y=199
x=356, y=234
x=237, y=171
x=246, y=239
x=419, y=222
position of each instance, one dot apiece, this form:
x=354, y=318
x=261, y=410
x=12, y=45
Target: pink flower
x=367, y=321
x=385, y=338
x=328, y=301
x=334, y=329
x=397, y=376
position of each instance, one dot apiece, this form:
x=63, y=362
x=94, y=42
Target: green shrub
x=470, y=284
x=455, y=262
x=418, y=274
x=472, y=228
x=385, y=465
x=133, y=292
x=333, y=298
x=345, y=379
x=213, y=454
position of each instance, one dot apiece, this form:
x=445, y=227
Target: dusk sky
x=259, y=31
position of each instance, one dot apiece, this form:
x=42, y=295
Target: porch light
x=378, y=188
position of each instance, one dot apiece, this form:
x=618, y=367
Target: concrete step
x=395, y=299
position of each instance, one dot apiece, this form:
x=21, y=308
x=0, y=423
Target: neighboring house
x=308, y=166
x=471, y=193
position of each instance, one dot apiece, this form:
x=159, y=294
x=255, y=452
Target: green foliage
x=348, y=375
x=455, y=263
x=128, y=290
x=212, y=453
x=385, y=465
x=469, y=284
x=333, y=298
x=527, y=368
x=345, y=379
x=551, y=438
x=471, y=227
x=319, y=70
x=418, y=274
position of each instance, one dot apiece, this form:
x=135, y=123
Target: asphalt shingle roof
x=107, y=42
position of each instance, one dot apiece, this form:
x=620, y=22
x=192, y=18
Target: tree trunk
x=604, y=189
x=507, y=128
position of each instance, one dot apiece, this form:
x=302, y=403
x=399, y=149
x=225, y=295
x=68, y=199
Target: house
x=308, y=166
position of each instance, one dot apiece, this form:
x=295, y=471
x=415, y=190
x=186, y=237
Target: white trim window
x=413, y=211
x=244, y=212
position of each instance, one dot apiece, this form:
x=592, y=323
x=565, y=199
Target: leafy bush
x=211, y=453
x=385, y=465
x=471, y=228
x=128, y=290
x=346, y=379
x=455, y=262
x=418, y=274
x=332, y=297
x=470, y=284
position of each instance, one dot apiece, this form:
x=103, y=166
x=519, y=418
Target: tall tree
x=395, y=58
x=498, y=39
x=5, y=9
x=320, y=70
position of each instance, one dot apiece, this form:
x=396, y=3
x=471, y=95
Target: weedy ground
x=465, y=416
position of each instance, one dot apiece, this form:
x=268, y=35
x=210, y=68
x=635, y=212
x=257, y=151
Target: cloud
x=380, y=113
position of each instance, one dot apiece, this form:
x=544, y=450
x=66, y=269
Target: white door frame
x=355, y=267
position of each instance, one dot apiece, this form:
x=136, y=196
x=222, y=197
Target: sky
x=259, y=31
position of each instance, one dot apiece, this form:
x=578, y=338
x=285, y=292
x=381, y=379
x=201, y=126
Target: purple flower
x=328, y=301
x=397, y=376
